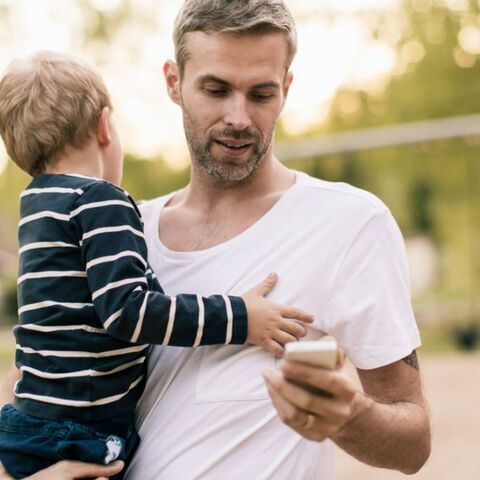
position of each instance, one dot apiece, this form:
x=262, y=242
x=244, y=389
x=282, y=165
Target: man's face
x=231, y=92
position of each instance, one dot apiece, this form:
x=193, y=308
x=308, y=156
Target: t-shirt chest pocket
x=232, y=373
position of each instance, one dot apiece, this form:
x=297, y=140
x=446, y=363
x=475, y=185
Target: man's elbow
x=417, y=461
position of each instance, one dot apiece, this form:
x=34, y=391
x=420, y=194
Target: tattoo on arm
x=412, y=360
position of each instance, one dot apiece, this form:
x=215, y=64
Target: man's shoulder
x=149, y=207
x=339, y=196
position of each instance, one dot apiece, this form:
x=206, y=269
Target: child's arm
x=129, y=300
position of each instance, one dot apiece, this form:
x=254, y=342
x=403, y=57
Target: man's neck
x=204, y=214
x=271, y=178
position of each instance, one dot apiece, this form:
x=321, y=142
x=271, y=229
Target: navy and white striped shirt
x=89, y=302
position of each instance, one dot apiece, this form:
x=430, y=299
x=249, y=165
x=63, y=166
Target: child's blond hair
x=48, y=102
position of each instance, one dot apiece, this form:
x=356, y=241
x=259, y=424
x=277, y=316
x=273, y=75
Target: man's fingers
x=296, y=313
x=294, y=417
x=91, y=470
x=286, y=411
x=331, y=410
x=72, y=470
x=333, y=382
x=3, y=473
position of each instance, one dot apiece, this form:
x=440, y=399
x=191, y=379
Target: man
x=206, y=413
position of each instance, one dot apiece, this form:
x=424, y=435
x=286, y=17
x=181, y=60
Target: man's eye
x=262, y=97
x=215, y=92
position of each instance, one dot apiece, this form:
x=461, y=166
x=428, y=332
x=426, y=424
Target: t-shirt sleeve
x=126, y=294
x=369, y=309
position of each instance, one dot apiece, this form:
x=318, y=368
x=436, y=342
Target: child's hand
x=271, y=325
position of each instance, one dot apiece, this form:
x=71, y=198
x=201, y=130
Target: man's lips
x=231, y=143
x=232, y=147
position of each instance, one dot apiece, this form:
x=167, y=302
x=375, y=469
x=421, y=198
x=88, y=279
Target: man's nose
x=237, y=115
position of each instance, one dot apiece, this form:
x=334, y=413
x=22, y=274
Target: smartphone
x=321, y=354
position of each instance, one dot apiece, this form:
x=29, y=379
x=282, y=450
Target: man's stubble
x=226, y=172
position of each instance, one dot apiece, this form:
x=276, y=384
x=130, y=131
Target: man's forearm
x=385, y=425
x=394, y=436
x=6, y=391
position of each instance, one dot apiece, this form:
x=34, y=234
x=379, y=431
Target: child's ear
x=103, y=128
x=172, y=78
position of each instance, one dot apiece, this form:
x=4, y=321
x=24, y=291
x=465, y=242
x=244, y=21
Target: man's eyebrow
x=265, y=85
x=221, y=81
x=213, y=78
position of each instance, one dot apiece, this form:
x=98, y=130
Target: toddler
x=89, y=304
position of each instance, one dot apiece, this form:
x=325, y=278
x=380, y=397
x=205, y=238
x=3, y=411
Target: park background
x=386, y=96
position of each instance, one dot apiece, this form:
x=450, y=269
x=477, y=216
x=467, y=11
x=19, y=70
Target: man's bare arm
x=386, y=425
x=390, y=426
x=6, y=391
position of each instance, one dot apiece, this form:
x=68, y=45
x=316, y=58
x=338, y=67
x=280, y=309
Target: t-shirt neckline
x=271, y=213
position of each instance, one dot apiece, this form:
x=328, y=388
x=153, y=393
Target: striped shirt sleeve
x=126, y=294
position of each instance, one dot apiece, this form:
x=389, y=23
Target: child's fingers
x=264, y=287
x=296, y=313
x=273, y=347
x=282, y=337
x=292, y=327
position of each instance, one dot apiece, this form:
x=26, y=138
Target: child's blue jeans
x=29, y=444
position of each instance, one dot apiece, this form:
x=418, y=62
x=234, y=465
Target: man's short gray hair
x=243, y=17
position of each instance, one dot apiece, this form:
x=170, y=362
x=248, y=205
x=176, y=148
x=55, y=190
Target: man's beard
x=226, y=171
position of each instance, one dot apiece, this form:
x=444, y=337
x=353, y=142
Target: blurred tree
x=421, y=196
x=431, y=188
x=437, y=45
x=149, y=178
x=436, y=72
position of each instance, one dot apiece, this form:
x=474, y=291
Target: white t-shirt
x=206, y=413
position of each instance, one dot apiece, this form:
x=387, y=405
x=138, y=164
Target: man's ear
x=103, y=128
x=172, y=78
x=286, y=84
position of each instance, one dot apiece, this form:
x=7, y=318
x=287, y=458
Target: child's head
x=48, y=103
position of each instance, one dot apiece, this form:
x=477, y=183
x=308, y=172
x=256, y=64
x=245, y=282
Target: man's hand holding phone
x=310, y=392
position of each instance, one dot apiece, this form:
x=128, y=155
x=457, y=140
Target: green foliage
x=10, y=305
x=434, y=76
x=431, y=188
x=145, y=179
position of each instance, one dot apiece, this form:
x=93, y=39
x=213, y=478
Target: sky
x=330, y=54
